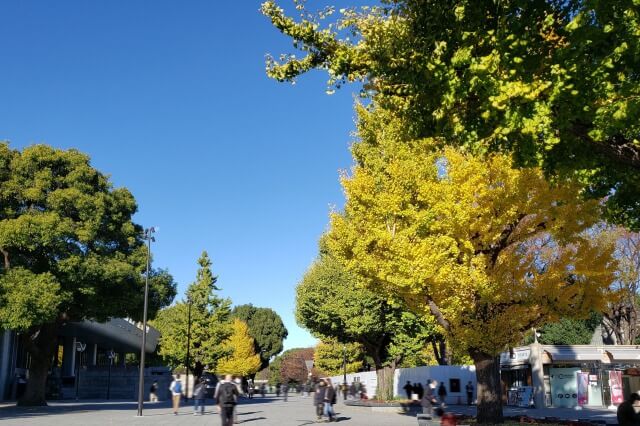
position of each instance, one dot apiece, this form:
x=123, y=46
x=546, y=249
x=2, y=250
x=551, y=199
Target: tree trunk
x=41, y=348
x=385, y=382
x=489, y=387
x=197, y=369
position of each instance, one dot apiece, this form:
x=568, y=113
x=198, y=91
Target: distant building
x=103, y=343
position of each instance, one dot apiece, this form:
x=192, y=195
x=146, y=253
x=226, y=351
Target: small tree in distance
x=242, y=359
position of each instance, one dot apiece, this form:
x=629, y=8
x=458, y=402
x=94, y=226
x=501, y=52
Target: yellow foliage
x=489, y=250
x=243, y=361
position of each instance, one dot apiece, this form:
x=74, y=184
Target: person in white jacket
x=176, y=393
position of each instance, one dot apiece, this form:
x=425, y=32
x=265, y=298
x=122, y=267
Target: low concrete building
x=570, y=375
x=101, y=362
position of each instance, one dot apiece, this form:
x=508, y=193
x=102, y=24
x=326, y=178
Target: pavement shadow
x=252, y=420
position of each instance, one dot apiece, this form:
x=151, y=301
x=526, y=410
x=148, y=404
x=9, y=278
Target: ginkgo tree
x=242, y=359
x=487, y=250
x=555, y=83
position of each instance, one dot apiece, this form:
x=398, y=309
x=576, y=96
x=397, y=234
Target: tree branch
x=437, y=313
x=5, y=253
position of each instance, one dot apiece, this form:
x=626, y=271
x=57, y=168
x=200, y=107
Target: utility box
x=424, y=419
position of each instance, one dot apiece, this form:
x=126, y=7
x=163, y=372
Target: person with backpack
x=176, y=393
x=226, y=395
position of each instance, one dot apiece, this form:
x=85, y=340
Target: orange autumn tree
x=489, y=251
x=243, y=361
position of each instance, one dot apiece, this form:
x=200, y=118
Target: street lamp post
x=148, y=235
x=80, y=347
x=110, y=355
x=344, y=364
x=186, y=388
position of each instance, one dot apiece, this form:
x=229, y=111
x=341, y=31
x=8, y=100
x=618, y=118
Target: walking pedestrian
x=318, y=398
x=285, y=390
x=153, y=391
x=428, y=399
x=176, y=393
x=250, y=388
x=329, y=400
x=263, y=390
x=226, y=396
x=198, y=397
x=469, y=389
x=442, y=393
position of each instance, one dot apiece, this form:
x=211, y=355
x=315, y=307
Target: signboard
x=515, y=356
x=615, y=383
x=564, y=386
x=525, y=395
x=583, y=389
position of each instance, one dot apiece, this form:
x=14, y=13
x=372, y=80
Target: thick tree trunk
x=41, y=348
x=385, y=382
x=489, y=388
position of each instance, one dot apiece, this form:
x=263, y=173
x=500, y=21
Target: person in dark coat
x=420, y=391
x=626, y=413
x=442, y=393
x=329, y=400
x=408, y=388
x=318, y=398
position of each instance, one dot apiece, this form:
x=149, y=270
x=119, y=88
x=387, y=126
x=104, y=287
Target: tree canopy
x=487, y=250
x=330, y=355
x=331, y=305
x=242, y=359
x=209, y=318
x=265, y=327
x=70, y=251
x=553, y=82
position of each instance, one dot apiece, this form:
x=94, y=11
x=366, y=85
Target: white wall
x=441, y=373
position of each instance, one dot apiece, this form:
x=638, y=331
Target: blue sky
x=171, y=99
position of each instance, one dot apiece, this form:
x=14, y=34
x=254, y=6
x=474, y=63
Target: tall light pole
x=148, y=235
x=344, y=365
x=186, y=390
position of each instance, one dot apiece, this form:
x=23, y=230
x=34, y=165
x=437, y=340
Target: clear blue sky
x=171, y=99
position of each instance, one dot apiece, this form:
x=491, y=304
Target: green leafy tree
x=209, y=317
x=330, y=355
x=265, y=327
x=70, y=252
x=553, y=82
x=242, y=359
x=330, y=304
x=568, y=331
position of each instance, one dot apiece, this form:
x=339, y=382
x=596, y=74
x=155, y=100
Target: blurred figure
x=318, y=398
x=329, y=400
x=198, y=397
x=469, y=389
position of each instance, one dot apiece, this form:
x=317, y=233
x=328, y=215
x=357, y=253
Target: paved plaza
x=298, y=411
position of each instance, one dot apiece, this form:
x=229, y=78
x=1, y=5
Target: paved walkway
x=271, y=411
